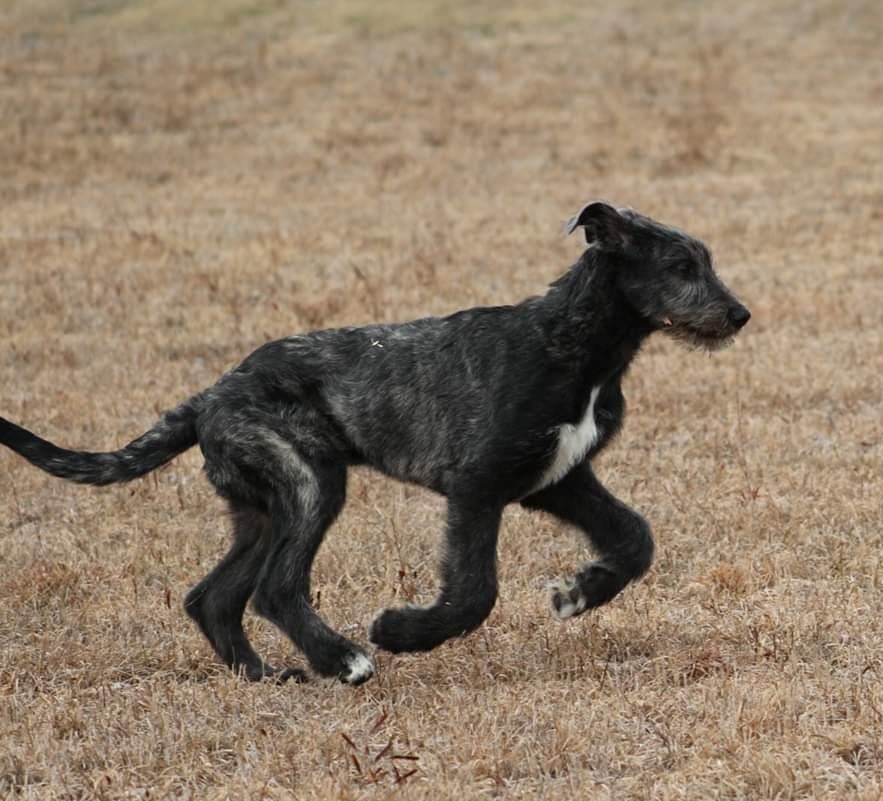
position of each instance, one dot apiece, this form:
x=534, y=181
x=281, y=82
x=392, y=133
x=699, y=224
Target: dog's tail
x=174, y=433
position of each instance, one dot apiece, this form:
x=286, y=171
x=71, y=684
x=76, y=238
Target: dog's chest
x=574, y=442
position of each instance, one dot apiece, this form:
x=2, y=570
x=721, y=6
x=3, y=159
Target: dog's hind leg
x=468, y=591
x=300, y=514
x=217, y=603
x=620, y=535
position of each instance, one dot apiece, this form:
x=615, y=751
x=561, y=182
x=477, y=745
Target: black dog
x=487, y=407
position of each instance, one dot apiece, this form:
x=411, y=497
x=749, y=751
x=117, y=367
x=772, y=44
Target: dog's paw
x=264, y=672
x=358, y=668
x=342, y=660
x=567, y=599
x=295, y=675
x=383, y=630
x=409, y=628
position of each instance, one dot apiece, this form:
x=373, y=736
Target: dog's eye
x=685, y=269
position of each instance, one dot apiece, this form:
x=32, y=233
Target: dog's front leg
x=619, y=534
x=468, y=585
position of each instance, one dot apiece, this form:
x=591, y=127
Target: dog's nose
x=739, y=315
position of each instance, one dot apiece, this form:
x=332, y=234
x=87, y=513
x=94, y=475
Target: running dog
x=488, y=406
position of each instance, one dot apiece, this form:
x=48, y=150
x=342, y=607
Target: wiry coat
x=486, y=406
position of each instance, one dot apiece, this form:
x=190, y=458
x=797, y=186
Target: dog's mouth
x=696, y=337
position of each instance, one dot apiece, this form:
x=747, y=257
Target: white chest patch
x=574, y=442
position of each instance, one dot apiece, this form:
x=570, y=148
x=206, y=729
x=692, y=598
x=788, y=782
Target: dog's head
x=665, y=275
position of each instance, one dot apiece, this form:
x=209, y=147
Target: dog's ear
x=602, y=224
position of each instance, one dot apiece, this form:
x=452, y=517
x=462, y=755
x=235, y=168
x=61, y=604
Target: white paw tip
x=567, y=599
x=359, y=668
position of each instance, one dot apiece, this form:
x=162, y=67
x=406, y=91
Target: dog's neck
x=590, y=323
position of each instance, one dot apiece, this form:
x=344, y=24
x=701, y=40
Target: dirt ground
x=181, y=181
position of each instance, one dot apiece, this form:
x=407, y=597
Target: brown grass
x=181, y=181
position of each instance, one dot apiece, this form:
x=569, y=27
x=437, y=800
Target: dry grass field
x=181, y=181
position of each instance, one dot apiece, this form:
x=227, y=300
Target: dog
x=487, y=407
